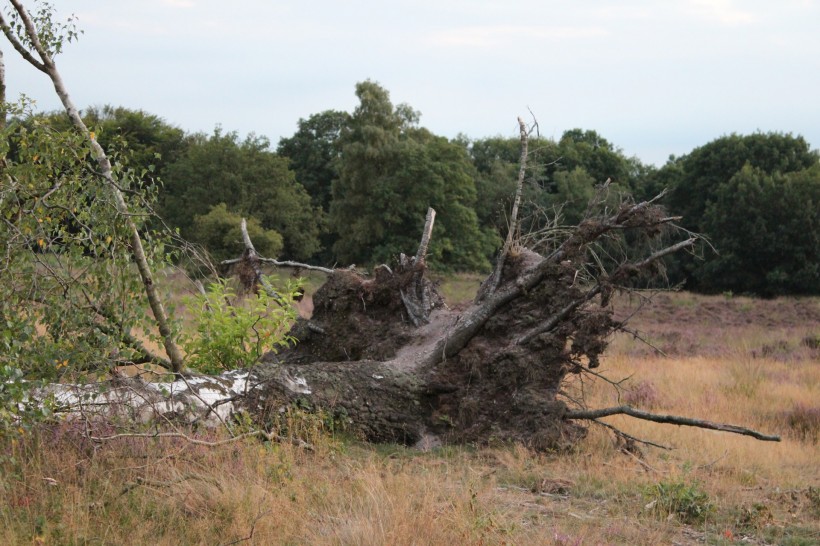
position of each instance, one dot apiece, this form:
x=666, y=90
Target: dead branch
x=637, y=335
x=491, y=283
x=196, y=441
x=668, y=419
x=252, y=259
x=285, y=263
x=619, y=432
x=259, y=515
x=159, y=484
x=421, y=255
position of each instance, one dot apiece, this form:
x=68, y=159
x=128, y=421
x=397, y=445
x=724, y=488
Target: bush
x=803, y=422
x=233, y=334
x=219, y=232
x=685, y=501
x=643, y=394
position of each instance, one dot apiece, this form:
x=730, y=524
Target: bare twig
x=196, y=441
x=623, y=434
x=259, y=515
x=637, y=335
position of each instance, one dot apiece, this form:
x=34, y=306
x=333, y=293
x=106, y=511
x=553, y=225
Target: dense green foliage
x=314, y=157
x=249, y=180
x=390, y=172
x=767, y=230
x=314, y=153
x=696, y=178
x=756, y=198
x=354, y=188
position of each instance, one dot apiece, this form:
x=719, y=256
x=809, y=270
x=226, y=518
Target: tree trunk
x=46, y=65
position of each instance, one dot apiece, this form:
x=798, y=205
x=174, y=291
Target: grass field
x=748, y=362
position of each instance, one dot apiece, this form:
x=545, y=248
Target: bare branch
x=668, y=419
x=491, y=283
x=2, y=97
x=297, y=265
x=619, y=432
x=252, y=259
x=285, y=263
x=196, y=441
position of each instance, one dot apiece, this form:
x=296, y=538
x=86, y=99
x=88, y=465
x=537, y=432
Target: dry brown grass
x=58, y=488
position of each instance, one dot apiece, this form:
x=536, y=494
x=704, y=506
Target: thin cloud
x=493, y=36
x=724, y=12
x=179, y=3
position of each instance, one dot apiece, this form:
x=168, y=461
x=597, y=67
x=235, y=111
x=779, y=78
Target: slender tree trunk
x=2, y=92
x=46, y=65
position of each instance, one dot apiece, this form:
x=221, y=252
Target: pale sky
x=653, y=77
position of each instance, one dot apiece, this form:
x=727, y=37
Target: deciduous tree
x=766, y=228
x=390, y=172
x=250, y=180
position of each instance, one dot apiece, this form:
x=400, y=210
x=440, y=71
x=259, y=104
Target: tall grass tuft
x=803, y=422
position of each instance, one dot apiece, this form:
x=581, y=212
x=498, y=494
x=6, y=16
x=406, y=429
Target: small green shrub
x=685, y=501
x=233, y=334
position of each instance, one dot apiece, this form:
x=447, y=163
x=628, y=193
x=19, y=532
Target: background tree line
x=353, y=187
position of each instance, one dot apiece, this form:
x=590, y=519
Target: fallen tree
x=381, y=353
x=384, y=356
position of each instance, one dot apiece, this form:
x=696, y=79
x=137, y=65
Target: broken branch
x=668, y=419
x=425, y=238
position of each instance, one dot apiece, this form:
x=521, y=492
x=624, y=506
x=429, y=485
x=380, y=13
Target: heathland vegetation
x=732, y=359
x=113, y=217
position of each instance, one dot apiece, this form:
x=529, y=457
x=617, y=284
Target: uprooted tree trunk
x=384, y=355
x=490, y=371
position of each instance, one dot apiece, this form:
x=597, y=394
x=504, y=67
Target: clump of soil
x=360, y=318
x=504, y=390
